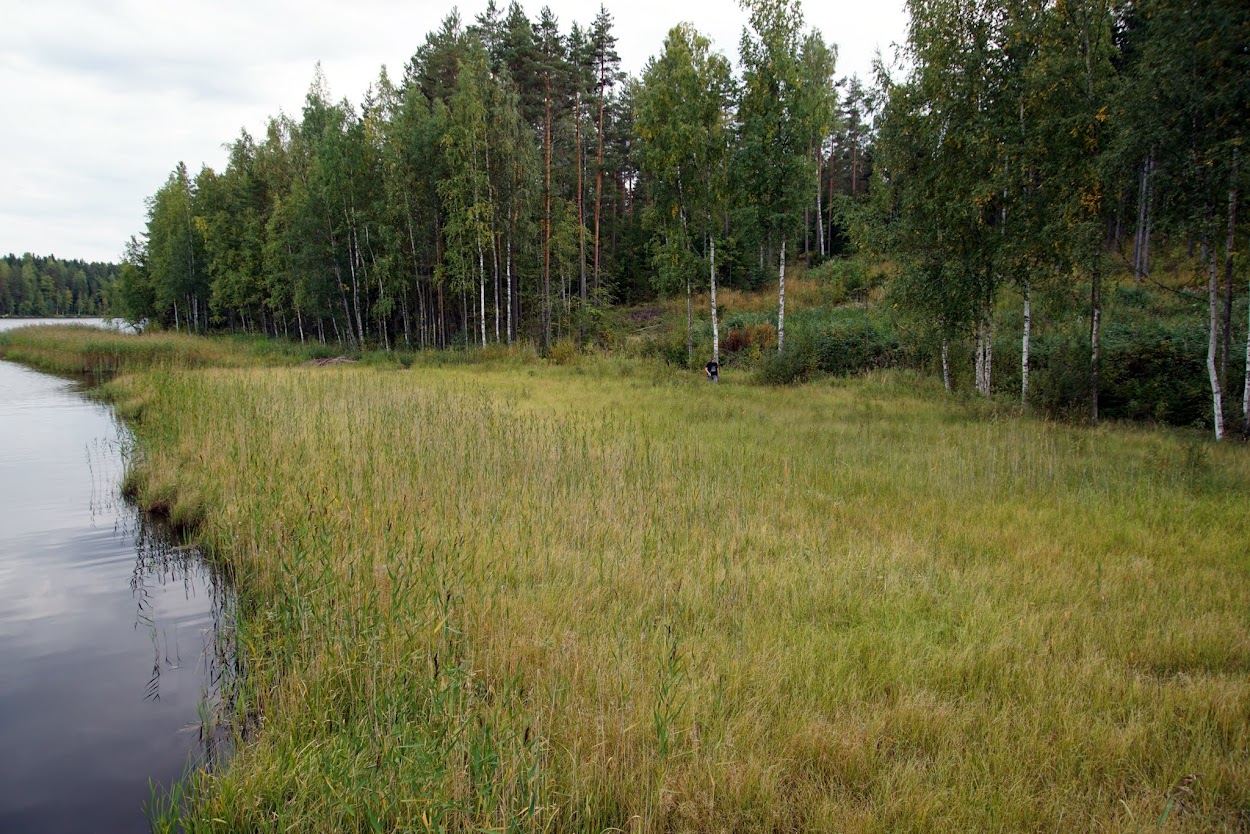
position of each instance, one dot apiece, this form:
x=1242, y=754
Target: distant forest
x=35, y=286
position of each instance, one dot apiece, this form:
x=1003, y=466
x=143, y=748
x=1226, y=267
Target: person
x=712, y=369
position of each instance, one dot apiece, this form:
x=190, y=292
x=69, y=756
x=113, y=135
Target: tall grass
x=81, y=349
x=604, y=597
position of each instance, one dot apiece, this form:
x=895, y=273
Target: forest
x=1055, y=183
x=35, y=286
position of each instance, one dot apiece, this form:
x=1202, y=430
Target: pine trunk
x=581, y=205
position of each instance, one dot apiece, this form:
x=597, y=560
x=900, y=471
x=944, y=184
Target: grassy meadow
x=608, y=596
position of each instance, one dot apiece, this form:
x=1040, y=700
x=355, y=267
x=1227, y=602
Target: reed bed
x=82, y=349
x=605, y=597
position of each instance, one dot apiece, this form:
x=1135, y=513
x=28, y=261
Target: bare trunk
x=820, y=212
x=715, y=323
x=547, y=225
x=481, y=286
x=978, y=359
x=1024, y=349
x=599, y=171
x=1245, y=390
x=1213, y=297
x=494, y=262
x=1095, y=334
x=581, y=208
x=1229, y=242
x=508, y=274
x=946, y=364
x=781, y=298
x=689, y=323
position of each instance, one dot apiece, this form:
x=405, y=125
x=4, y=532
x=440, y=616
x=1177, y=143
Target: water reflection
x=115, y=636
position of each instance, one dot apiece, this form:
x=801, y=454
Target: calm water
x=107, y=633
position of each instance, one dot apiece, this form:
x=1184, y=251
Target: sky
x=102, y=98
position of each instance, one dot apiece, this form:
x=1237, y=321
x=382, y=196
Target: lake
x=108, y=630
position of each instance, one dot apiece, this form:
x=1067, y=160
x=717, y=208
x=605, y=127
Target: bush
x=794, y=364
x=563, y=352
x=854, y=346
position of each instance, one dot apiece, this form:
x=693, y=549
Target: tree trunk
x=481, y=285
x=1229, y=243
x=599, y=171
x=581, y=208
x=1213, y=298
x=946, y=365
x=820, y=213
x=689, y=323
x=508, y=275
x=715, y=323
x=1245, y=390
x=547, y=225
x=1024, y=349
x=781, y=298
x=1095, y=327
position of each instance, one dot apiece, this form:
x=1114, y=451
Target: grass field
x=607, y=596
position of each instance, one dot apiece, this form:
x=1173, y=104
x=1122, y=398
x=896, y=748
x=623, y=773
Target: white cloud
x=101, y=98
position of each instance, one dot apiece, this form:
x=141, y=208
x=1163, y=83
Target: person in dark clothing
x=712, y=370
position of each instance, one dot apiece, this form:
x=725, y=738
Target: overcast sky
x=102, y=98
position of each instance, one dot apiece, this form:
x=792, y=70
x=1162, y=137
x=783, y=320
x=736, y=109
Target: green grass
x=607, y=596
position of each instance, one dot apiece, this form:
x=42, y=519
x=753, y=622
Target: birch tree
x=773, y=144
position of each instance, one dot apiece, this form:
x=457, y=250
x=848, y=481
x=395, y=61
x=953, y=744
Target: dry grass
x=606, y=597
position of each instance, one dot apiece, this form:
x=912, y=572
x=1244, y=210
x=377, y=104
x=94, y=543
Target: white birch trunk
x=979, y=359
x=1024, y=349
x=781, y=299
x=946, y=364
x=1245, y=395
x=820, y=213
x=481, y=285
x=690, y=323
x=508, y=274
x=1217, y=395
x=715, y=324
x=989, y=351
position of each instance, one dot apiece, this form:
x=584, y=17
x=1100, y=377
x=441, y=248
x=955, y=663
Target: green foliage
x=33, y=286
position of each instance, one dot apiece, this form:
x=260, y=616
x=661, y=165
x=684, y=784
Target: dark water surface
x=107, y=632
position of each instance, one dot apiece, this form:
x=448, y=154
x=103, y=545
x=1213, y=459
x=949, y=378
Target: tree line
x=36, y=286
x=512, y=185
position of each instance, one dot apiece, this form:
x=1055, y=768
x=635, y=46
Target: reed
x=606, y=597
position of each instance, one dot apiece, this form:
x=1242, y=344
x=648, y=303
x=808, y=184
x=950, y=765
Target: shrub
x=854, y=346
x=563, y=352
x=794, y=364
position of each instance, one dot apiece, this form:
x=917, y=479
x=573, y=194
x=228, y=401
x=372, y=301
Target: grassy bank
x=604, y=596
